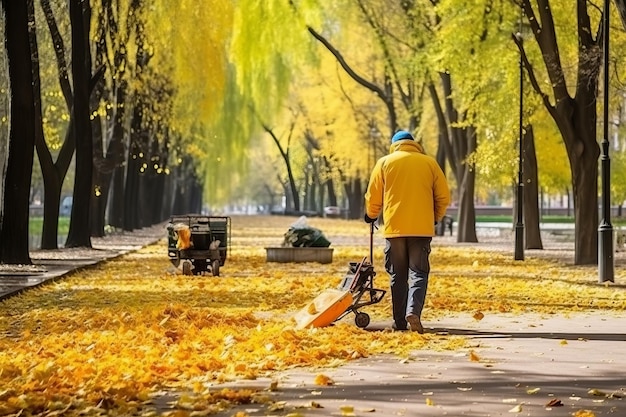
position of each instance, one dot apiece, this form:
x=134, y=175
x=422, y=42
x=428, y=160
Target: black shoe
x=397, y=328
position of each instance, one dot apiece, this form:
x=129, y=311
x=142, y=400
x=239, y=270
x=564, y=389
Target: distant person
x=410, y=190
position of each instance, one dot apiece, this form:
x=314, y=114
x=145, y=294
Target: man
x=410, y=190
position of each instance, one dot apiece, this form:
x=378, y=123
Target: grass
x=36, y=225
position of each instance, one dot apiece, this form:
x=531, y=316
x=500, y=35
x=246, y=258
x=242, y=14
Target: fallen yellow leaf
x=277, y=406
x=347, y=410
x=321, y=379
x=596, y=393
x=584, y=413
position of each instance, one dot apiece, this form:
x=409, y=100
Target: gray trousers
x=408, y=266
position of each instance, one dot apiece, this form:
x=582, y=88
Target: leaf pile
x=110, y=339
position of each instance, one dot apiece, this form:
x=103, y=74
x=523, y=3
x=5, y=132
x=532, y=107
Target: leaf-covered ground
x=108, y=339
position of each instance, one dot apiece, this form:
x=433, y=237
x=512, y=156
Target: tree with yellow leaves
x=562, y=101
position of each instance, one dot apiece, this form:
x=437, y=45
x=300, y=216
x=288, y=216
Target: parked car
x=332, y=212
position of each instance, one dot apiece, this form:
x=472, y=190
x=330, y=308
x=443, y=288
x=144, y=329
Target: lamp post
x=519, y=224
x=605, y=229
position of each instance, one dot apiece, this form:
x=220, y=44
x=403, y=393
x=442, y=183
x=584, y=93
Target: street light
x=605, y=229
x=519, y=224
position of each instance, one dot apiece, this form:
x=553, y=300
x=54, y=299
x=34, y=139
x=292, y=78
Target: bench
x=446, y=223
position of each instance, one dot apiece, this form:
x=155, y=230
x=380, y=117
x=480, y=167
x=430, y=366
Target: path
x=525, y=365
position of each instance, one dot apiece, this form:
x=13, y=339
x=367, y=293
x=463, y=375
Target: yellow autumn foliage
x=115, y=336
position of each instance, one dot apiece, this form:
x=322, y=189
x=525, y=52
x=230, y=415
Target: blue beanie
x=401, y=135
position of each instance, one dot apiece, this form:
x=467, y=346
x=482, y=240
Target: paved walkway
x=523, y=365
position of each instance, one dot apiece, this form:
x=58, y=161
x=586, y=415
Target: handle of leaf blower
x=372, y=243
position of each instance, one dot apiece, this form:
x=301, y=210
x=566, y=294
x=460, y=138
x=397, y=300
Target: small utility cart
x=198, y=243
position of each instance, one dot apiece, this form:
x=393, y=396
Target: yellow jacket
x=411, y=190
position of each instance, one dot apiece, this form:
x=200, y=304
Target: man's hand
x=368, y=219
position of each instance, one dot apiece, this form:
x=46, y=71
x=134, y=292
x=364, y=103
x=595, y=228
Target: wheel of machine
x=215, y=268
x=186, y=267
x=200, y=266
x=362, y=320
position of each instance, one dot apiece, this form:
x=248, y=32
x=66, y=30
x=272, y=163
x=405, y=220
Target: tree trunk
x=99, y=196
x=79, y=234
x=196, y=196
x=98, y=207
x=14, y=248
x=583, y=151
x=158, y=199
x=54, y=172
x=131, y=185
x=165, y=186
x=116, y=199
x=284, y=153
x=108, y=149
x=53, y=175
x=532, y=231
x=147, y=200
x=441, y=153
x=574, y=116
x=353, y=188
x=187, y=192
x=467, y=210
x=330, y=185
x=295, y=197
x=585, y=180
x=168, y=196
x=115, y=157
x=457, y=144
x=52, y=183
x=180, y=204
x=288, y=197
x=111, y=41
